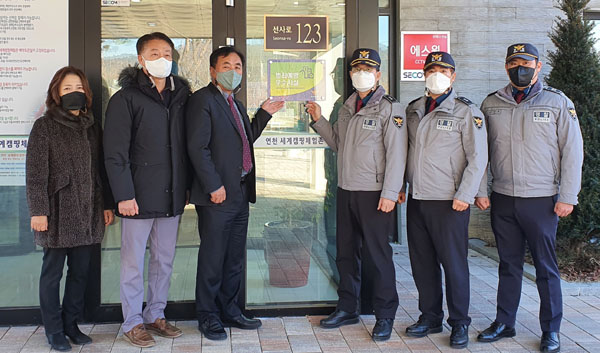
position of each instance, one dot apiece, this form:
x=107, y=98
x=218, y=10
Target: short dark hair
x=139, y=46
x=53, y=96
x=223, y=52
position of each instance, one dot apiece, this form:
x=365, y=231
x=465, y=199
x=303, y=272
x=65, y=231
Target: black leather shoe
x=459, y=338
x=242, y=322
x=495, y=332
x=77, y=336
x=59, y=342
x=423, y=327
x=383, y=329
x=550, y=342
x=339, y=318
x=212, y=328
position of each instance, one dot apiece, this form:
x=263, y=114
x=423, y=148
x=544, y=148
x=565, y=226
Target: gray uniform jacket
x=371, y=144
x=447, y=149
x=536, y=148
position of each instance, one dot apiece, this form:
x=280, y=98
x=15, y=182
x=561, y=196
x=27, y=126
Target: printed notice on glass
x=12, y=160
x=296, y=80
x=33, y=46
x=291, y=140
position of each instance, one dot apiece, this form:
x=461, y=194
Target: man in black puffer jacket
x=147, y=166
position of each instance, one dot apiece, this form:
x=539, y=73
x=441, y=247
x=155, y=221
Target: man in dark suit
x=220, y=137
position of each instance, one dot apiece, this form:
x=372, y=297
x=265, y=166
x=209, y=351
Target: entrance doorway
x=290, y=261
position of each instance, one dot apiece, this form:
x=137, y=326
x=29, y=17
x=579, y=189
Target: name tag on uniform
x=445, y=124
x=541, y=117
x=369, y=124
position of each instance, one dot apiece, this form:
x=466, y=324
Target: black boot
x=59, y=342
x=460, y=336
x=383, y=329
x=423, y=327
x=550, y=342
x=495, y=332
x=339, y=318
x=76, y=335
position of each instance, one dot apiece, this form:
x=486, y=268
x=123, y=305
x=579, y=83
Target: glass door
x=291, y=235
x=291, y=238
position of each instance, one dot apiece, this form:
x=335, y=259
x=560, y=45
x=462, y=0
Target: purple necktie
x=432, y=106
x=246, y=156
x=519, y=97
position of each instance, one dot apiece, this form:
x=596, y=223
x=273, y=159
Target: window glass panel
x=189, y=24
x=291, y=237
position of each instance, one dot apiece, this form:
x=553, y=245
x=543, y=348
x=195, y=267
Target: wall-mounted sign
x=12, y=160
x=118, y=3
x=296, y=80
x=296, y=33
x=287, y=141
x=415, y=46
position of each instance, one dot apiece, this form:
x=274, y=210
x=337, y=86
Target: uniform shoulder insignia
x=390, y=98
x=478, y=122
x=552, y=89
x=398, y=121
x=465, y=100
x=491, y=94
x=414, y=100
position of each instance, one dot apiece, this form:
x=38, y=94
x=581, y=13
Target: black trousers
x=516, y=221
x=223, y=231
x=439, y=235
x=78, y=261
x=361, y=228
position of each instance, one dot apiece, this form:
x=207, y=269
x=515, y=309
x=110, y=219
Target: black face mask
x=73, y=101
x=521, y=76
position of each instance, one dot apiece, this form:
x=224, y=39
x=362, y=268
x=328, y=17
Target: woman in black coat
x=69, y=200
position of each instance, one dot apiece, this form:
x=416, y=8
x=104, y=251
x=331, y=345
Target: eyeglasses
x=356, y=69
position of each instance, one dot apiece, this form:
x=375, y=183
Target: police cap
x=440, y=58
x=522, y=50
x=366, y=56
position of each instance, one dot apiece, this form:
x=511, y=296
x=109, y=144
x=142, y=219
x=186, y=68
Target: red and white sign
x=415, y=46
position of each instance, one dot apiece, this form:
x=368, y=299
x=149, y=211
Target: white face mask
x=437, y=83
x=363, y=81
x=159, y=68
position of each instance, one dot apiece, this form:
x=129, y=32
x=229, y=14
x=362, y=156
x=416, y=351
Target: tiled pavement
x=580, y=329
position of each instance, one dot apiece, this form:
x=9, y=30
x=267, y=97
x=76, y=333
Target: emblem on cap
x=364, y=54
x=520, y=48
x=437, y=57
x=398, y=121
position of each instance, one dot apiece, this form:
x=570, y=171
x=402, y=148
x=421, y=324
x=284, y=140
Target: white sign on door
x=34, y=44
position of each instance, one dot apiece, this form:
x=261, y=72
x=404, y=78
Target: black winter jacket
x=144, y=144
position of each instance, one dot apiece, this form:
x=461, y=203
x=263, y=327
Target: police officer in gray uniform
x=536, y=156
x=370, y=139
x=447, y=156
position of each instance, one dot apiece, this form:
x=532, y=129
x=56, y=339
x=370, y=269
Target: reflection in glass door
x=291, y=238
x=189, y=24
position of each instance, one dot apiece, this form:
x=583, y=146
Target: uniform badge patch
x=573, y=113
x=478, y=122
x=541, y=117
x=444, y=124
x=369, y=124
x=398, y=121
